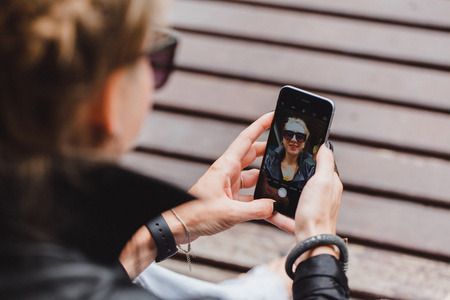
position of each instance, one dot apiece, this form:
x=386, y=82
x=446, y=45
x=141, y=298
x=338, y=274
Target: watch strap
x=163, y=237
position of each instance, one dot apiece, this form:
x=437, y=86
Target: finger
x=249, y=178
x=246, y=138
x=282, y=222
x=245, y=198
x=256, y=150
x=325, y=160
x=330, y=145
x=254, y=210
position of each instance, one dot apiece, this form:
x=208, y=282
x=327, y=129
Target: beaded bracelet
x=314, y=242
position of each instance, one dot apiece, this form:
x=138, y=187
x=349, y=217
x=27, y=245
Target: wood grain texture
x=181, y=173
x=395, y=223
x=355, y=37
x=366, y=167
x=317, y=71
x=432, y=13
x=363, y=121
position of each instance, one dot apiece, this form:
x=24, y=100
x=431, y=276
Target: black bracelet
x=163, y=237
x=314, y=242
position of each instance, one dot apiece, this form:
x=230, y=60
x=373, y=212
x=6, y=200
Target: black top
x=274, y=175
x=320, y=277
x=94, y=209
x=304, y=173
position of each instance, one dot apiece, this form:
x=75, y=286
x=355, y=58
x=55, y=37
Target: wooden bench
x=386, y=66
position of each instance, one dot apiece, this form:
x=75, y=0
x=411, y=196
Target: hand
x=219, y=205
x=318, y=207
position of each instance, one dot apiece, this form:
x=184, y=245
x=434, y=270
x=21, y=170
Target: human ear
x=105, y=114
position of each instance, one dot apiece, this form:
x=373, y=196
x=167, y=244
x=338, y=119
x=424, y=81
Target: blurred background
x=386, y=66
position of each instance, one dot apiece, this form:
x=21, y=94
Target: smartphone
x=300, y=126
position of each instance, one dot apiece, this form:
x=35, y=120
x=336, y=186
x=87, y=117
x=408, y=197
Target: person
x=289, y=165
x=76, y=77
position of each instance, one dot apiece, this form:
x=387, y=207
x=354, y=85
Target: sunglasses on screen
x=161, y=56
x=289, y=135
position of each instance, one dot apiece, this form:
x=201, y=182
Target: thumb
x=325, y=161
x=281, y=221
x=255, y=210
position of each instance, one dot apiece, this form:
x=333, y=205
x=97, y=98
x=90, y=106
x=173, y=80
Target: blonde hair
x=54, y=56
x=293, y=120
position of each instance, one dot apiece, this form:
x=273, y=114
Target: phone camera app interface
x=290, y=159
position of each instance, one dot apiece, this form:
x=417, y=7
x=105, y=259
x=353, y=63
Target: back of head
x=54, y=56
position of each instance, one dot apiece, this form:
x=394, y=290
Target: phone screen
x=300, y=126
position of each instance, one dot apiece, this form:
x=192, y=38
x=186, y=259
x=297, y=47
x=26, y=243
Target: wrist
x=177, y=228
x=308, y=231
x=314, y=246
x=138, y=253
x=327, y=249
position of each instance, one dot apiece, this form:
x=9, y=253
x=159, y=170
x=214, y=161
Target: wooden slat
x=362, y=121
x=430, y=13
x=386, y=170
x=366, y=167
x=396, y=224
x=199, y=137
x=318, y=71
x=316, y=31
x=181, y=173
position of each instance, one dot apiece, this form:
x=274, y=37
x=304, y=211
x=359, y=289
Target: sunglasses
x=161, y=56
x=289, y=135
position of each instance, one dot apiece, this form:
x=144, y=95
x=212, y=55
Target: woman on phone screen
x=289, y=164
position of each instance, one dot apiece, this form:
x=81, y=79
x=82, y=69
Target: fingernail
x=330, y=146
x=276, y=206
x=336, y=169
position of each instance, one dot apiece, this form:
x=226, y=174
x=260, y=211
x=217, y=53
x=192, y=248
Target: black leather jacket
x=304, y=173
x=274, y=175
